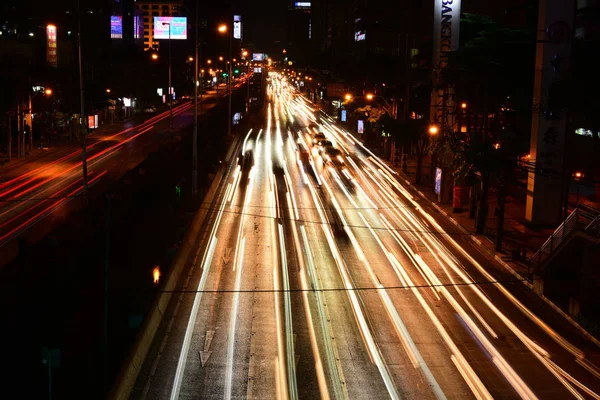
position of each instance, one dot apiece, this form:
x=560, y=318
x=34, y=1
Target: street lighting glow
x=463, y=105
x=108, y=90
x=348, y=97
x=48, y=92
x=222, y=28
x=155, y=56
x=220, y=58
x=578, y=175
x=190, y=58
x=433, y=130
x=244, y=53
x=370, y=96
x=209, y=61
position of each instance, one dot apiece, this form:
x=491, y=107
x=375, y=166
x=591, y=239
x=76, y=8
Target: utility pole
x=83, y=120
x=230, y=66
x=195, y=132
x=170, y=91
x=106, y=265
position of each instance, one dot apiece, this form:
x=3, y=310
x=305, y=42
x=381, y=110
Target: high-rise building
x=150, y=9
x=300, y=28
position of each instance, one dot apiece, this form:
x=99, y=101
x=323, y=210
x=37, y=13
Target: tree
x=491, y=68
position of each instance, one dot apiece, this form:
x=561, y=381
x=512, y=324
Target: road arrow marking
x=227, y=256
x=205, y=353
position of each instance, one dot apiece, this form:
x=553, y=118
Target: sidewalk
x=518, y=238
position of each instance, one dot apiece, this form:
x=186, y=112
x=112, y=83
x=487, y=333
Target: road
x=45, y=188
x=318, y=278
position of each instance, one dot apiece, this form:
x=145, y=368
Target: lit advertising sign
x=343, y=115
x=258, y=56
x=302, y=4
x=359, y=36
x=116, y=27
x=138, y=27
x=237, y=26
x=51, y=51
x=176, y=25
x=361, y=126
x=257, y=70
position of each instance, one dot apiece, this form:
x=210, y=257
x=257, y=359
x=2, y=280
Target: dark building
x=300, y=30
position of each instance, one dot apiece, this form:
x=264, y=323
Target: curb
x=503, y=263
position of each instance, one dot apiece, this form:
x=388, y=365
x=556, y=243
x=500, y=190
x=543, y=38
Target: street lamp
x=209, y=61
x=390, y=109
x=223, y=29
x=348, y=97
x=155, y=56
x=48, y=92
x=578, y=176
x=433, y=130
x=108, y=90
x=169, y=91
x=463, y=105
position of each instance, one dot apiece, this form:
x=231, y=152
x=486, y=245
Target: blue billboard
x=170, y=27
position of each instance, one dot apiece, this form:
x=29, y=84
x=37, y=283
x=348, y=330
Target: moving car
x=319, y=137
x=333, y=156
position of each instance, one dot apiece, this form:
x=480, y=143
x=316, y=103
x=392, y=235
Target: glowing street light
x=463, y=105
x=370, y=96
x=190, y=59
x=578, y=175
x=155, y=56
x=209, y=61
x=244, y=53
x=433, y=130
x=108, y=90
x=348, y=97
x=222, y=28
x=156, y=275
x=220, y=58
x=48, y=92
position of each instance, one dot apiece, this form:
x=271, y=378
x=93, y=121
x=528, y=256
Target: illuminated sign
x=126, y=101
x=51, y=51
x=138, y=27
x=159, y=91
x=237, y=27
x=170, y=27
x=343, y=115
x=257, y=70
x=438, y=181
x=116, y=27
x=361, y=126
x=258, y=56
x=302, y=4
x=359, y=36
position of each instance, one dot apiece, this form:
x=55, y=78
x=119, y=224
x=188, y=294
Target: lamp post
x=83, y=119
x=169, y=91
x=390, y=109
x=223, y=29
x=195, y=132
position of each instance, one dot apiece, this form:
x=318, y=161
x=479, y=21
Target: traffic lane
x=339, y=339
x=518, y=357
x=157, y=376
x=260, y=261
x=215, y=311
x=554, y=333
x=519, y=361
x=421, y=331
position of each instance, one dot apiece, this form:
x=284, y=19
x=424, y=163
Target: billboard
x=359, y=36
x=361, y=126
x=303, y=5
x=258, y=56
x=116, y=27
x=176, y=25
x=51, y=54
x=138, y=26
x=237, y=26
x=343, y=115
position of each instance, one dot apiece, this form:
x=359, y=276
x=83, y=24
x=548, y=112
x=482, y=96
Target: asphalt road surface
x=320, y=275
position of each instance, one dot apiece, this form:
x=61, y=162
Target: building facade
x=150, y=9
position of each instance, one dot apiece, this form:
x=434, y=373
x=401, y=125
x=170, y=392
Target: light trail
x=206, y=263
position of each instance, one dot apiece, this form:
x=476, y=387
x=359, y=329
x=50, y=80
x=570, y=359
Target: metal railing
x=578, y=219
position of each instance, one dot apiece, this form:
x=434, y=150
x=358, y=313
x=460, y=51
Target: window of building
x=155, y=7
x=145, y=6
x=146, y=19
